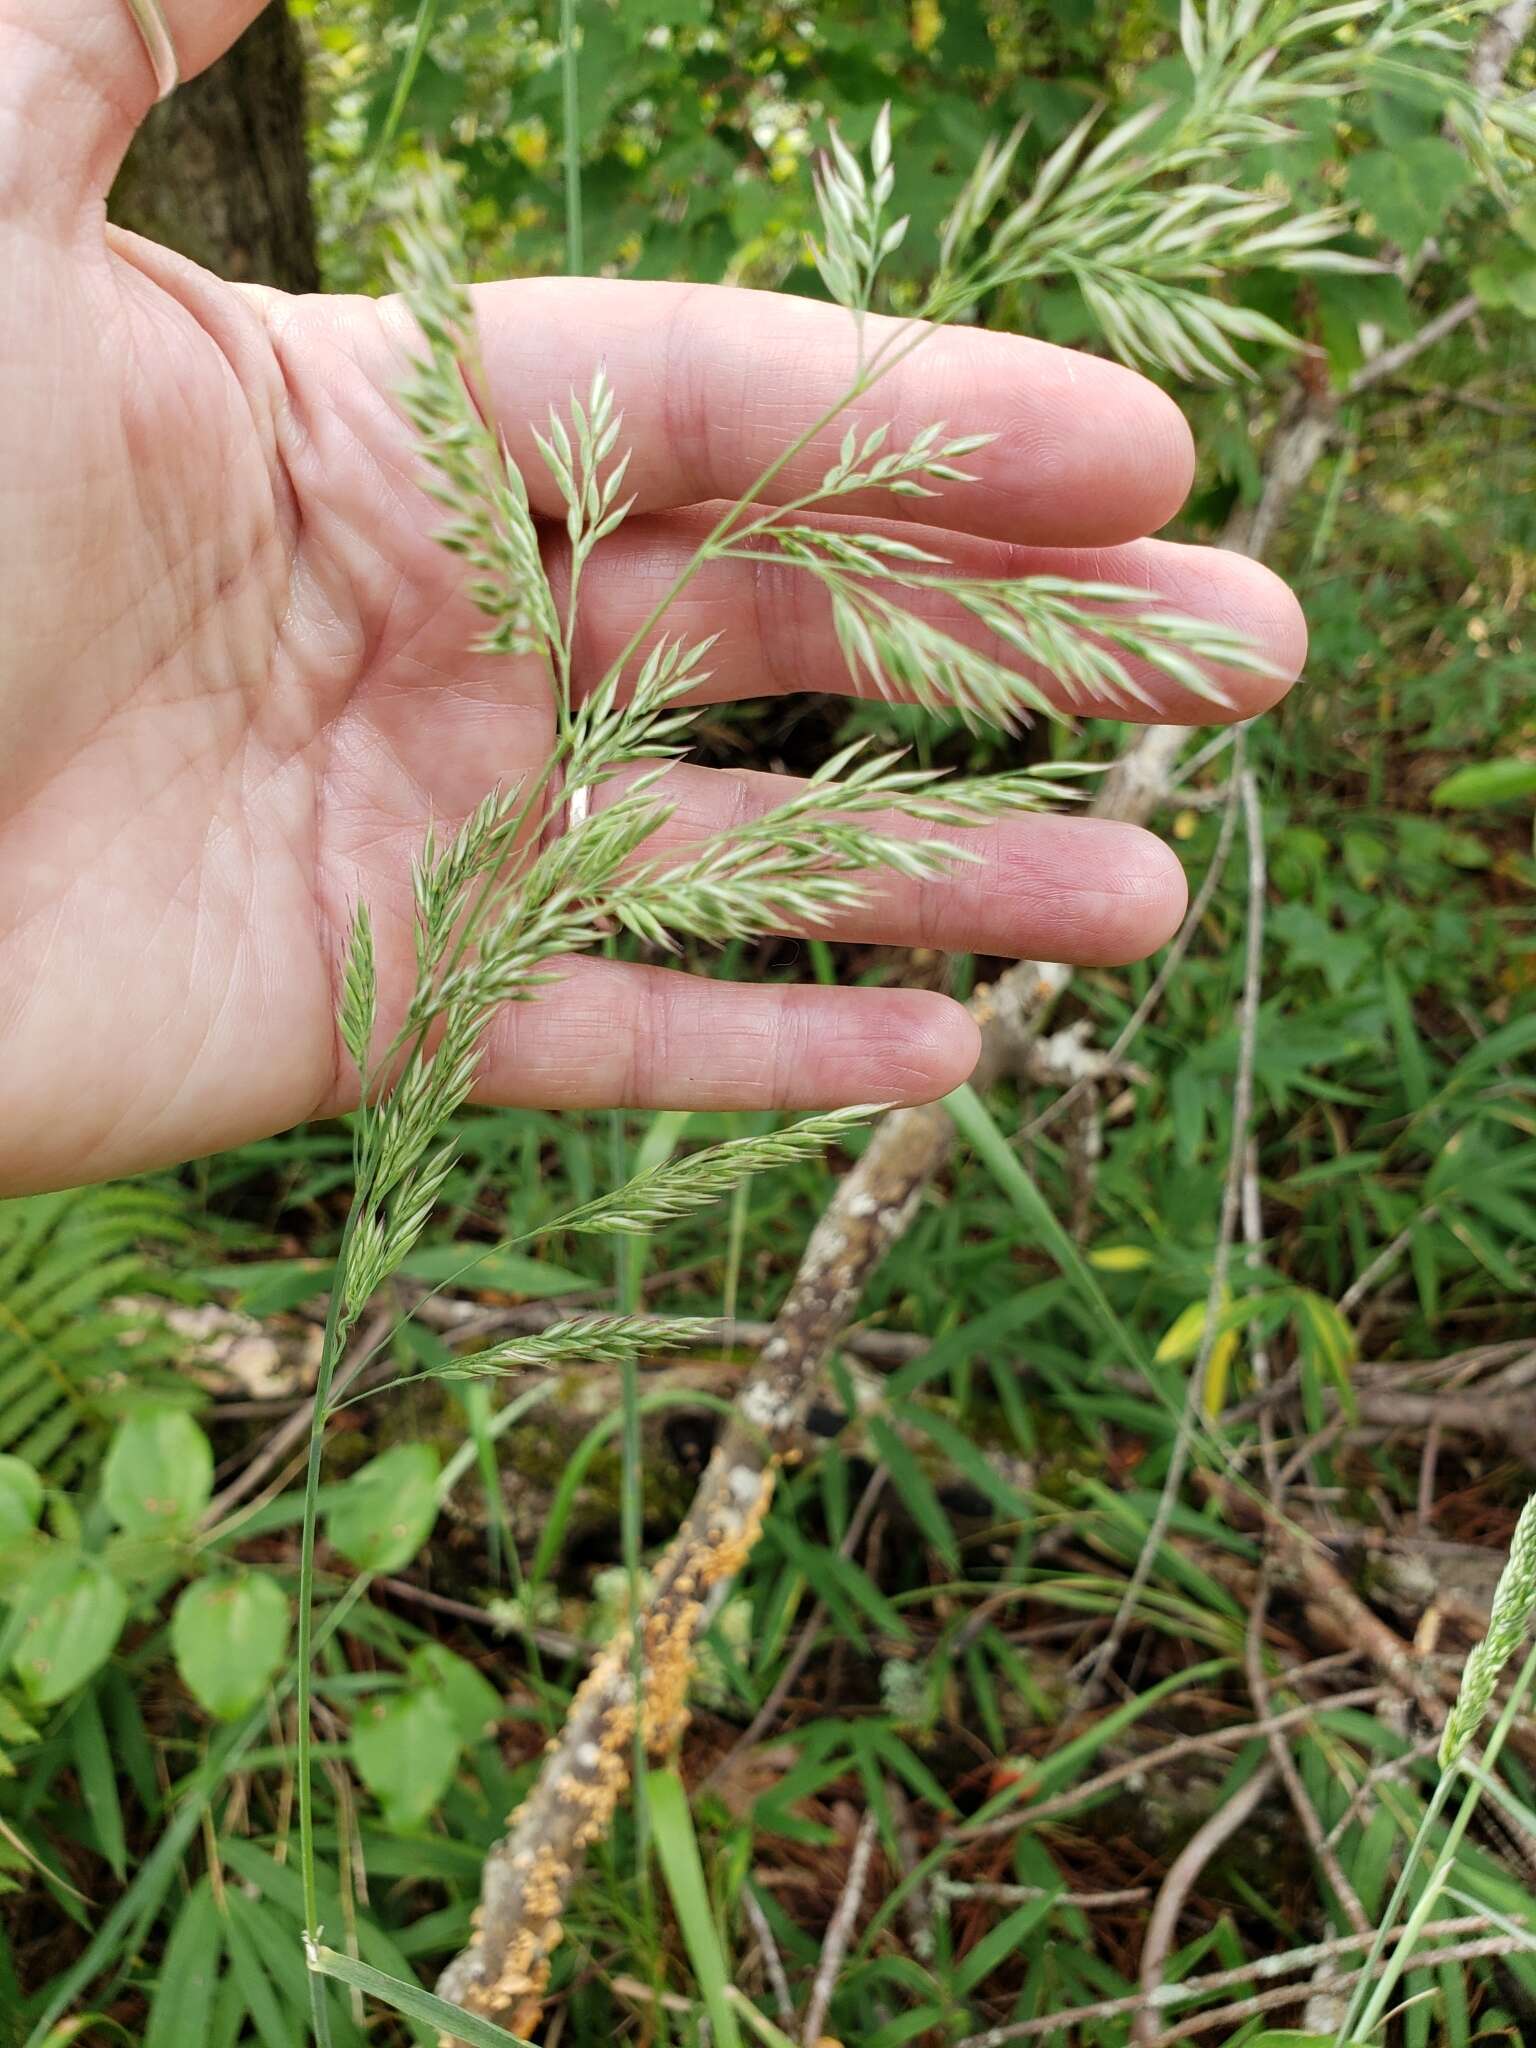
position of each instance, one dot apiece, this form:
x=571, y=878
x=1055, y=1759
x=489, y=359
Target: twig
x=1026, y=1894
x=1169, y=965
x=1100, y=1659
x=840, y=1931
x=1158, y=1760
x=1429, y=395
x=1383, y=1262
x=1288, y=1963
x=1502, y=34
x=290, y=1434
x=1351, y=1622
x=1258, y=1350
x=1266, y=2001
x=1290, y=1777
x=1183, y=1874
x=773, y=1962
x=1391, y=361
x=554, y=1642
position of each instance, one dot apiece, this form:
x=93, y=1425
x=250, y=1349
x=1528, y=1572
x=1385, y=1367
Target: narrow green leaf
x=975, y=1124
x=1486, y=782
x=968, y=1458
x=996, y=1946
x=276, y=2028
x=98, y=1780
x=450, y=2020
x=915, y=1489
x=677, y=1847
x=1411, y=1062
x=189, y=1974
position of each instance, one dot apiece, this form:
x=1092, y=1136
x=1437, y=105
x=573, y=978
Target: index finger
x=716, y=382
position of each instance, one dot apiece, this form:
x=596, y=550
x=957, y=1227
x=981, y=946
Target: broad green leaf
x=74, y=1613
x=230, y=1635
x=384, y=1513
x=1507, y=281
x=158, y=1476
x=21, y=1499
x=405, y=1746
x=1408, y=190
x=1486, y=782
x=474, y=1703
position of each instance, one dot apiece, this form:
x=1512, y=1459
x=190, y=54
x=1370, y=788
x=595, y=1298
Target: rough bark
x=220, y=171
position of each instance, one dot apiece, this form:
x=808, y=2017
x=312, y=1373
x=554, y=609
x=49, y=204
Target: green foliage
x=158, y=1475
x=1022, y=1452
x=405, y=1748
x=230, y=1638
x=21, y=1499
x=65, y=1262
x=65, y=1620
x=384, y=1513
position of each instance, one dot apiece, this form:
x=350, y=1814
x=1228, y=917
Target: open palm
x=236, y=679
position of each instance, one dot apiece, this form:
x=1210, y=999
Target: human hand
x=236, y=679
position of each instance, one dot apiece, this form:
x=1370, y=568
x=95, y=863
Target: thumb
x=78, y=80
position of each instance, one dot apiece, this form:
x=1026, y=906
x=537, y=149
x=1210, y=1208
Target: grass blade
x=451, y=2021
x=678, y=1848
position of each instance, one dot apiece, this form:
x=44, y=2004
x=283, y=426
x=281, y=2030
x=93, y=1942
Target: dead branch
x=840, y=1931
x=1285, y=1765
x=1183, y=1875
x=1288, y=1963
x=1156, y=1760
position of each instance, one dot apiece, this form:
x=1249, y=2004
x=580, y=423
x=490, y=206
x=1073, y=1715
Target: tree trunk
x=220, y=171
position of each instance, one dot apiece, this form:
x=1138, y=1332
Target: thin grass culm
x=503, y=895
x=1508, y=1632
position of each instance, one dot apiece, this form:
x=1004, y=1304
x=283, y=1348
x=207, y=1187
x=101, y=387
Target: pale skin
x=237, y=677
